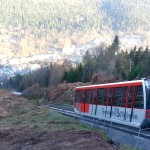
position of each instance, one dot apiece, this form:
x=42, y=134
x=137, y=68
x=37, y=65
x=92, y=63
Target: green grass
x=126, y=147
x=43, y=119
x=46, y=120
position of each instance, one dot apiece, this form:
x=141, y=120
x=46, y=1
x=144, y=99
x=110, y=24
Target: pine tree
x=115, y=45
x=87, y=71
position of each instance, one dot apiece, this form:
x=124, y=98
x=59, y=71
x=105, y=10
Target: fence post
x=110, y=128
x=137, y=142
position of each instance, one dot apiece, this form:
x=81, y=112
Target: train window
x=78, y=96
x=124, y=95
x=88, y=97
x=109, y=103
x=117, y=96
x=105, y=96
x=130, y=96
x=94, y=95
x=102, y=96
x=139, y=101
x=147, y=98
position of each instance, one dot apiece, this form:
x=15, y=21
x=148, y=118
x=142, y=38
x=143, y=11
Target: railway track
x=97, y=123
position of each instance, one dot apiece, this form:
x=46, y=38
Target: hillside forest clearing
x=24, y=125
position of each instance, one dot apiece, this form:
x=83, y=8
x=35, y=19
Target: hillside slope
x=29, y=127
x=62, y=15
x=29, y=27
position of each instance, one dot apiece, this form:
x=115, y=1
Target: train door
x=138, y=112
x=117, y=112
x=79, y=101
x=87, y=100
x=104, y=102
x=130, y=103
x=101, y=102
x=123, y=103
x=82, y=103
x=109, y=103
x=94, y=102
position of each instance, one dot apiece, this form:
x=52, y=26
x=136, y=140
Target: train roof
x=116, y=84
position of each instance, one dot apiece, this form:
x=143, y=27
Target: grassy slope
x=29, y=123
x=48, y=121
x=43, y=119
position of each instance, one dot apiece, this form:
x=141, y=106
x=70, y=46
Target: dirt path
x=29, y=139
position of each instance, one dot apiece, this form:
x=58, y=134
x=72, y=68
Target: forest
x=76, y=15
x=34, y=26
x=29, y=27
x=105, y=61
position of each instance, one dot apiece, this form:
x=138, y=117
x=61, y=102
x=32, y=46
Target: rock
x=3, y=113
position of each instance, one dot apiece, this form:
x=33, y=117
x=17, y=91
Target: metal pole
x=110, y=128
x=93, y=121
x=138, y=137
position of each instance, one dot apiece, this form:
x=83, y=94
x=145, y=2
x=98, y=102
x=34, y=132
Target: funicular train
x=126, y=103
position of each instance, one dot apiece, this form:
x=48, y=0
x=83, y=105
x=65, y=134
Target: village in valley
x=18, y=55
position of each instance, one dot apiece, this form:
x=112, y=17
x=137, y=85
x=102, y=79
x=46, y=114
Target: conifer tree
x=115, y=45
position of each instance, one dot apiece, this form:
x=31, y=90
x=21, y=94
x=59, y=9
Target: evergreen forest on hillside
x=30, y=27
x=76, y=15
x=108, y=62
